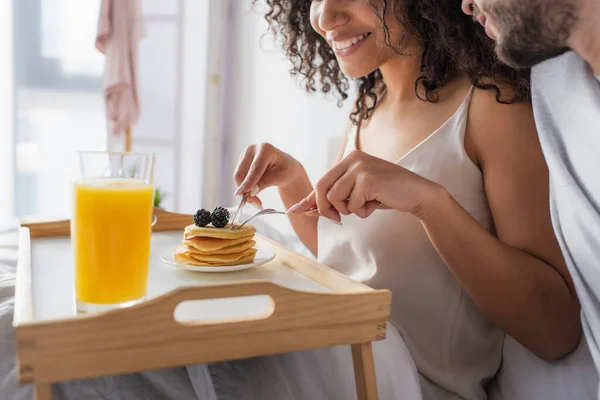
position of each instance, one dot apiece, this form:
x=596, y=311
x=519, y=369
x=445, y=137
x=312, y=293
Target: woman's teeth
x=347, y=43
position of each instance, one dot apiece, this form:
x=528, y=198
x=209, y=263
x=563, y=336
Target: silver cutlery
x=238, y=212
x=271, y=211
x=266, y=211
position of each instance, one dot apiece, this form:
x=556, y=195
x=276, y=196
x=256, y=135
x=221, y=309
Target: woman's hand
x=262, y=166
x=360, y=184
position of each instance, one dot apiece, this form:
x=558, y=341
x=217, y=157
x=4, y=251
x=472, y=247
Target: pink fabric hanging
x=120, y=28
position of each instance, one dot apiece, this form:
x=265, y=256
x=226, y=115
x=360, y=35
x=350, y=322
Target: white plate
x=263, y=256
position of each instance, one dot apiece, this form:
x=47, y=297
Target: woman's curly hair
x=452, y=45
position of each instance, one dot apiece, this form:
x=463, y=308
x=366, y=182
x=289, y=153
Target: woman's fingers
x=347, y=188
x=324, y=206
x=256, y=201
x=308, y=207
x=255, y=172
x=306, y=204
x=326, y=183
x=241, y=170
x=340, y=192
x=367, y=209
x=371, y=206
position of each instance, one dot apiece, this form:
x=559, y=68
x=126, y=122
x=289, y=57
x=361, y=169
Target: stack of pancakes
x=211, y=246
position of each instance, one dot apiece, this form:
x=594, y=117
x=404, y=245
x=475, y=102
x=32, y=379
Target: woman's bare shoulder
x=494, y=125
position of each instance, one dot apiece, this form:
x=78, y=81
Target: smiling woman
x=440, y=187
x=440, y=33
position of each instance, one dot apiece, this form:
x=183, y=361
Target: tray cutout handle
x=276, y=296
x=201, y=312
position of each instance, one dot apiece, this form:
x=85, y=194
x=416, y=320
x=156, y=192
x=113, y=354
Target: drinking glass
x=111, y=229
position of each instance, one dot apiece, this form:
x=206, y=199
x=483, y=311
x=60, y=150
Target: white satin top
x=456, y=349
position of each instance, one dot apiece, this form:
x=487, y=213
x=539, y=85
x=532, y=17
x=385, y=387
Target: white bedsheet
x=523, y=376
x=9, y=390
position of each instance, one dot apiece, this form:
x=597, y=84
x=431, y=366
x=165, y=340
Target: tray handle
x=217, y=292
x=160, y=311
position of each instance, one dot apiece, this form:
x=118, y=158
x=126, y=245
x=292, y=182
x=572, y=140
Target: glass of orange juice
x=111, y=229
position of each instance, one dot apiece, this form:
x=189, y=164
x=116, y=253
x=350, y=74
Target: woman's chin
x=355, y=71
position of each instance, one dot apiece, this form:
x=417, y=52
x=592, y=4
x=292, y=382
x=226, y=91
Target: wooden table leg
x=364, y=371
x=42, y=391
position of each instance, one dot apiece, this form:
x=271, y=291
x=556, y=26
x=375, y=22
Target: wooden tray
x=292, y=303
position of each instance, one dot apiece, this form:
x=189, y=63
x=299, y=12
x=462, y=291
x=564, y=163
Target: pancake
x=228, y=259
x=218, y=233
x=184, y=258
x=197, y=248
x=214, y=258
x=209, y=245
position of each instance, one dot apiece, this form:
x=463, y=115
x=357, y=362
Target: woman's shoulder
x=494, y=125
x=486, y=106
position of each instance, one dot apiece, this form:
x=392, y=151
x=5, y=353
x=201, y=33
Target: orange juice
x=111, y=229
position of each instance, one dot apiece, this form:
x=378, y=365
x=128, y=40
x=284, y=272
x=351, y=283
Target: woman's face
x=356, y=34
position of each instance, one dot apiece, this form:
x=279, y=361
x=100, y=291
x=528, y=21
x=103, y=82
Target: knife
x=238, y=212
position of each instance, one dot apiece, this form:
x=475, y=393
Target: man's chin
x=522, y=57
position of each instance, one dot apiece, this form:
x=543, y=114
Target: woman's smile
x=344, y=46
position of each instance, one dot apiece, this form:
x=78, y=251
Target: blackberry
x=219, y=217
x=202, y=218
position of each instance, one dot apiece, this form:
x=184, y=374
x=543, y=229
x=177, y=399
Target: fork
x=272, y=211
x=266, y=211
